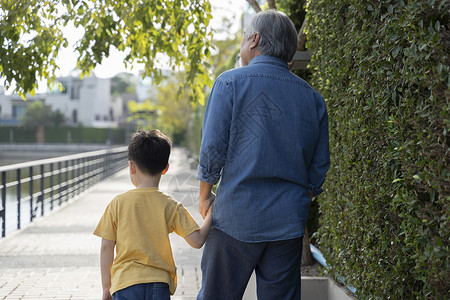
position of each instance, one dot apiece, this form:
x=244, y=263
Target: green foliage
x=31, y=37
x=143, y=114
x=295, y=9
x=175, y=115
x=38, y=114
x=171, y=115
x=65, y=134
x=123, y=83
x=383, y=68
x=58, y=118
x=226, y=55
x=10, y=134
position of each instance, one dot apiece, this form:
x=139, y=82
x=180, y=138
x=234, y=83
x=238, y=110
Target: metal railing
x=45, y=184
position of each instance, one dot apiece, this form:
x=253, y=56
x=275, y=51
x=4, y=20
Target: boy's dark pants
x=227, y=265
x=144, y=291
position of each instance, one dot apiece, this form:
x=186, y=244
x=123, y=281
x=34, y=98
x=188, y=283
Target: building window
x=75, y=116
x=75, y=90
x=18, y=111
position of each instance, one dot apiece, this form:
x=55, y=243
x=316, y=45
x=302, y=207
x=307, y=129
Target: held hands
x=205, y=204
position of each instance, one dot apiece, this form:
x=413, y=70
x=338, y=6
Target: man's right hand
x=206, y=198
x=205, y=204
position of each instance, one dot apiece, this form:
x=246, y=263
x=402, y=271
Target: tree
x=142, y=115
x=58, y=118
x=123, y=83
x=175, y=115
x=226, y=56
x=37, y=115
x=31, y=33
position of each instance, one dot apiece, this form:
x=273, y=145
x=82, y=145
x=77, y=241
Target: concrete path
x=57, y=257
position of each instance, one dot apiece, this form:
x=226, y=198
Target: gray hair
x=278, y=34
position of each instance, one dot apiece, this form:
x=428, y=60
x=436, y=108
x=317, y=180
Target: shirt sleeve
x=215, y=133
x=107, y=226
x=321, y=159
x=182, y=222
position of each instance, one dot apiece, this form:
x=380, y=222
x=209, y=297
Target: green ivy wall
x=383, y=68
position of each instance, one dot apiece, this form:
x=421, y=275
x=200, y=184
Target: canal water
x=13, y=154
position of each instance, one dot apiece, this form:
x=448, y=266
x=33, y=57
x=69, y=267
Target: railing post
x=83, y=171
x=72, y=178
x=87, y=178
x=31, y=195
x=19, y=196
x=3, y=211
x=51, y=186
x=105, y=167
x=75, y=177
x=109, y=165
x=77, y=173
x=41, y=196
x=60, y=183
x=67, y=181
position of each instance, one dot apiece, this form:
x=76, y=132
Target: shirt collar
x=268, y=60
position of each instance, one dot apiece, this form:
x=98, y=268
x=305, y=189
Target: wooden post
x=40, y=134
x=307, y=258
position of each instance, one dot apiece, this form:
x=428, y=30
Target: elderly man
x=265, y=137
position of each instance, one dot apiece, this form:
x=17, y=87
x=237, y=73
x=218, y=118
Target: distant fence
x=43, y=185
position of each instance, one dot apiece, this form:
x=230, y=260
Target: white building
x=84, y=102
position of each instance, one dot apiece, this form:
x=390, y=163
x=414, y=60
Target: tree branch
x=301, y=37
x=272, y=4
x=255, y=5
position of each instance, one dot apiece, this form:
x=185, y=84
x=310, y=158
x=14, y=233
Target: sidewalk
x=57, y=257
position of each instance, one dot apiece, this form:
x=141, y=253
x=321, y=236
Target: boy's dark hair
x=149, y=150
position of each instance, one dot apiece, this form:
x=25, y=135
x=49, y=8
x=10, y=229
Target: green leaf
x=396, y=51
x=101, y=32
x=390, y=9
x=437, y=26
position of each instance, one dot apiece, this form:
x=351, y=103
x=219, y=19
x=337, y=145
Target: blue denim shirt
x=265, y=136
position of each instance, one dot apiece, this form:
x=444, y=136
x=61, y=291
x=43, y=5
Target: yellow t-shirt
x=139, y=221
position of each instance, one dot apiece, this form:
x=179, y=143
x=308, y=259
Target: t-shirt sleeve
x=107, y=226
x=182, y=222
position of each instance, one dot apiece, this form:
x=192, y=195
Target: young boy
x=138, y=223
